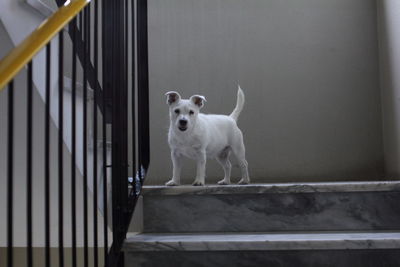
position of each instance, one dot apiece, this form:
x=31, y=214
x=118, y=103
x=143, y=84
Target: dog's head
x=183, y=112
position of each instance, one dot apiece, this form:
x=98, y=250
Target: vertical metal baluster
x=60, y=150
x=77, y=18
x=29, y=134
x=10, y=173
x=73, y=142
x=85, y=183
x=47, y=159
x=126, y=36
x=105, y=187
x=133, y=104
x=81, y=17
x=95, y=228
x=104, y=130
x=123, y=127
x=126, y=62
x=143, y=87
x=119, y=130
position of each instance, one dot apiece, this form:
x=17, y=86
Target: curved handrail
x=11, y=64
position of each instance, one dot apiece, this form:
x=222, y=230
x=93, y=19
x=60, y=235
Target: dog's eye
x=177, y=111
x=191, y=112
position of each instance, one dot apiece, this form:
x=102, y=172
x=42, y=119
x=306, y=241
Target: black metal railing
x=108, y=56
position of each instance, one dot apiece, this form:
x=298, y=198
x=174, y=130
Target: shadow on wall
x=389, y=42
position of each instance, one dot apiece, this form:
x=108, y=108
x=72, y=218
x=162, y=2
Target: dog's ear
x=198, y=100
x=172, y=97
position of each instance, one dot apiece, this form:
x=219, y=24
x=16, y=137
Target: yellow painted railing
x=11, y=64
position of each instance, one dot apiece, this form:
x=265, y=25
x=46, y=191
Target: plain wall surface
x=389, y=36
x=309, y=70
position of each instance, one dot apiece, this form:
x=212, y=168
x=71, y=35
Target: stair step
x=344, y=206
x=327, y=249
x=263, y=241
x=376, y=186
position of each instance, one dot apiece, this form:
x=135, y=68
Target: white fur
x=204, y=136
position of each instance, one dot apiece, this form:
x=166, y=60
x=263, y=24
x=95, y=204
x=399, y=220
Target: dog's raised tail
x=239, y=104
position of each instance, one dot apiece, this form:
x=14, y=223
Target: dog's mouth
x=182, y=128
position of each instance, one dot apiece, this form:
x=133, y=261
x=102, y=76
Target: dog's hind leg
x=239, y=151
x=223, y=159
x=245, y=173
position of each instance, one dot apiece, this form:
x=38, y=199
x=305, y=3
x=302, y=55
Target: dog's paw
x=223, y=182
x=171, y=183
x=198, y=183
x=243, y=181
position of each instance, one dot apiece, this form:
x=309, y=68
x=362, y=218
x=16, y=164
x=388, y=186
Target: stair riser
x=329, y=211
x=326, y=258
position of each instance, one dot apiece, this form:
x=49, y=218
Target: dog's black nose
x=183, y=122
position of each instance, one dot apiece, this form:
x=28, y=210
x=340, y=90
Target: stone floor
x=352, y=224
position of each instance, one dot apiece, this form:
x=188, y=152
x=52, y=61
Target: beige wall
x=20, y=257
x=309, y=69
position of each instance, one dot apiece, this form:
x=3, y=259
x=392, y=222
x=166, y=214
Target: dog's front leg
x=201, y=169
x=176, y=170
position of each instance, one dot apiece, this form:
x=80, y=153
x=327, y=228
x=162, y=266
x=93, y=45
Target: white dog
x=197, y=136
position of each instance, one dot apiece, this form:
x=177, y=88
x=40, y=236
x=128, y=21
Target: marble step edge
x=378, y=186
x=262, y=241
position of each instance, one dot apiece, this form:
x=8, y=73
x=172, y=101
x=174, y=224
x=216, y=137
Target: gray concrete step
x=346, y=206
x=263, y=241
x=265, y=249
